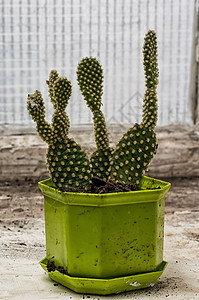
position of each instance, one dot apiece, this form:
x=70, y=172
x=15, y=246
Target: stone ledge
x=22, y=152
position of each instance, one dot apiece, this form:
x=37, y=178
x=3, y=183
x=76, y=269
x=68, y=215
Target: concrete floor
x=22, y=245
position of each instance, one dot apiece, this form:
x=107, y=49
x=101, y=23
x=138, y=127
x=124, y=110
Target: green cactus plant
x=68, y=164
x=90, y=80
x=137, y=146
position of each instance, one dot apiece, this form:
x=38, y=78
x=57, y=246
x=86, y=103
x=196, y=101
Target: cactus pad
x=151, y=77
x=68, y=164
x=36, y=109
x=136, y=148
x=60, y=121
x=52, y=78
x=100, y=162
x=90, y=80
x=133, y=154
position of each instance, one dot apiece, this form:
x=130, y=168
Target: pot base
x=105, y=286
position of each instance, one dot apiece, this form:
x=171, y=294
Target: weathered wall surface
x=22, y=153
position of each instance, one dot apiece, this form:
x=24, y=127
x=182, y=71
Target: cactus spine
x=136, y=148
x=68, y=164
x=90, y=80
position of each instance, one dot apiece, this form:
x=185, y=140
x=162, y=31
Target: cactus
x=137, y=146
x=68, y=164
x=90, y=80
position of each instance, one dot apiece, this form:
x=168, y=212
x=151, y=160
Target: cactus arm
x=136, y=148
x=36, y=109
x=60, y=121
x=68, y=164
x=100, y=163
x=100, y=129
x=100, y=159
x=52, y=78
x=133, y=154
x=60, y=125
x=90, y=80
x=151, y=77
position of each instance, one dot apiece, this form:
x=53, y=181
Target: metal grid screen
x=37, y=36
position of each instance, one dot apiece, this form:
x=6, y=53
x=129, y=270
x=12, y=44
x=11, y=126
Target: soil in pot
x=99, y=186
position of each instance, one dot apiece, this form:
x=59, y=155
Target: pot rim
x=109, y=199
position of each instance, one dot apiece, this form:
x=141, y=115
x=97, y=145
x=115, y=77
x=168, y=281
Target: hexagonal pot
x=104, y=238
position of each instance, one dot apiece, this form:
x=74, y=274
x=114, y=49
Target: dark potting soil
x=99, y=186
x=51, y=267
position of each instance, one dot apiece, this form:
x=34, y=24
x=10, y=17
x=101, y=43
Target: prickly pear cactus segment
x=68, y=164
x=133, y=154
x=60, y=121
x=100, y=159
x=36, y=109
x=62, y=92
x=151, y=76
x=150, y=107
x=100, y=162
x=150, y=59
x=136, y=148
x=101, y=134
x=52, y=78
x=90, y=80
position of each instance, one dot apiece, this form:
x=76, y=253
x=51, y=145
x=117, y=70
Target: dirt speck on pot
x=51, y=266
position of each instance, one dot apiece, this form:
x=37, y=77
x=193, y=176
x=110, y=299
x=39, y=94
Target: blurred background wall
x=41, y=35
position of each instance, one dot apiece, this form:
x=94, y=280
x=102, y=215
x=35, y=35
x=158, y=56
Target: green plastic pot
x=105, y=236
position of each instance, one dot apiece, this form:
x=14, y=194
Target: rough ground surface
x=22, y=245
